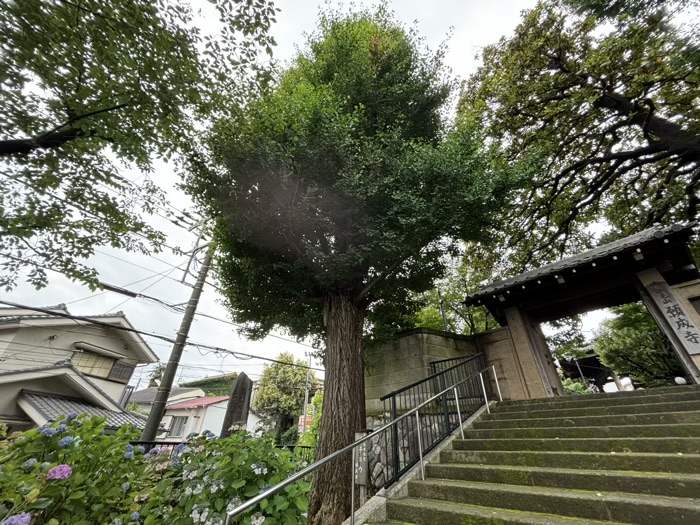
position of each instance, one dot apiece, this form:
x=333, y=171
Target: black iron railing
x=163, y=448
x=444, y=364
x=437, y=420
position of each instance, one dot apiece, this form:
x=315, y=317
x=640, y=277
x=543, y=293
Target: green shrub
x=71, y=472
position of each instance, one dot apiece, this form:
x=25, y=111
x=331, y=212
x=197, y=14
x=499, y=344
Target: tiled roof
x=199, y=402
x=591, y=256
x=52, y=407
x=148, y=395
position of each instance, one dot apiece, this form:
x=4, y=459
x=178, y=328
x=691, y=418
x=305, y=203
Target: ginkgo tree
x=336, y=195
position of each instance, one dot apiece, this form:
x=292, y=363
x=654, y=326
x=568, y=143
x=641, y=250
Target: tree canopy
x=336, y=194
x=608, y=107
x=281, y=388
x=631, y=343
x=92, y=86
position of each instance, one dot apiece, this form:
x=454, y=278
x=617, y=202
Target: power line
x=88, y=320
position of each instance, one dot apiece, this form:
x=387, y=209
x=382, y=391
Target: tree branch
x=55, y=137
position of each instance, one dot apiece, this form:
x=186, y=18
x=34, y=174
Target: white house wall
x=213, y=418
x=37, y=346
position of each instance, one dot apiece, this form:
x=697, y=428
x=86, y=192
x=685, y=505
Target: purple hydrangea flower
x=64, y=442
x=154, y=451
x=126, y=486
x=60, y=472
x=48, y=431
x=29, y=463
x=135, y=516
x=18, y=519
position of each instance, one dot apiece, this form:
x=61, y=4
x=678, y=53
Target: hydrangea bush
x=72, y=472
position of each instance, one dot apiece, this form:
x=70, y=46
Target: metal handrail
x=430, y=377
x=351, y=447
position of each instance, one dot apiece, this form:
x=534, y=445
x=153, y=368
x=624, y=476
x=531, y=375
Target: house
x=52, y=364
x=144, y=398
x=197, y=415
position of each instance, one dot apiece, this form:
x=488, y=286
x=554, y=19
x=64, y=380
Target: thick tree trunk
x=343, y=409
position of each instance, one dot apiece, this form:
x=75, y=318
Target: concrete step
x=612, y=395
x=576, y=420
x=643, y=462
x=661, y=484
x=596, y=505
x=686, y=445
x=607, y=410
x=673, y=430
x=436, y=512
x=599, y=401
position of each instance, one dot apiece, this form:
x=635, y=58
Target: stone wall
x=407, y=359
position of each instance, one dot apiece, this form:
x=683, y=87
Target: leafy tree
x=310, y=437
x=214, y=386
x=473, y=270
x=89, y=86
x=335, y=196
x=281, y=391
x=607, y=107
x=615, y=8
x=156, y=376
x=568, y=339
x=631, y=343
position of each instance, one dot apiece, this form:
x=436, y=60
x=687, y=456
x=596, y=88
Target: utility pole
x=442, y=311
x=306, y=397
x=156, y=415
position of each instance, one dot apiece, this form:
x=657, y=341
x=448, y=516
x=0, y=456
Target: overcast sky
x=474, y=24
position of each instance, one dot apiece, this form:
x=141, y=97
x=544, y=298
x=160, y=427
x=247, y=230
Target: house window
x=93, y=364
x=177, y=426
x=121, y=372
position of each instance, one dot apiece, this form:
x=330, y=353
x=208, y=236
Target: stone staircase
x=624, y=458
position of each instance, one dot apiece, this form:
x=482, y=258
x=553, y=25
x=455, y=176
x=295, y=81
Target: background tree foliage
x=91, y=86
x=281, y=390
x=335, y=196
x=631, y=343
x=609, y=109
x=464, y=276
x=310, y=437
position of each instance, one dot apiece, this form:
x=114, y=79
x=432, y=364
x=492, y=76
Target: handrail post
x=445, y=408
x=483, y=389
x=394, y=438
x=498, y=388
x=352, y=488
x=459, y=413
x=420, y=446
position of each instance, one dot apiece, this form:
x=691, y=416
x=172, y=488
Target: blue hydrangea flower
x=135, y=516
x=45, y=464
x=62, y=428
x=48, y=431
x=64, y=442
x=175, y=460
x=126, y=486
x=142, y=449
x=18, y=519
x=180, y=448
x=154, y=452
x=191, y=435
x=129, y=455
x=130, y=448
x=71, y=417
x=29, y=463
